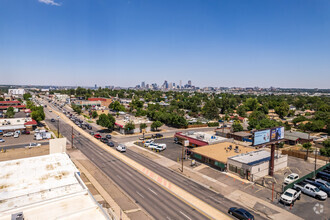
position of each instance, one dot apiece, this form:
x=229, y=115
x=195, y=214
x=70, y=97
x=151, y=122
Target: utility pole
x=182, y=158
x=315, y=162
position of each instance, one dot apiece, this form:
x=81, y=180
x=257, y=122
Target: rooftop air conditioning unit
x=17, y=216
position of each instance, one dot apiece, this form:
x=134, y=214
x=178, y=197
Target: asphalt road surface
x=158, y=202
x=155, y=200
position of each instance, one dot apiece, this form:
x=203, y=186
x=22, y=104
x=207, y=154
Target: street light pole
x=72, y=138
x=315, y=162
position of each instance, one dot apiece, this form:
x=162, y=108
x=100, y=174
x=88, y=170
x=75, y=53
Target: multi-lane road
x=158, y=202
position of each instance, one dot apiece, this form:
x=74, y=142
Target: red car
x=97, y=136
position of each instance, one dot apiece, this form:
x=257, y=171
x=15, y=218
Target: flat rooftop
x=252, y=158
x=45, y=187
x=221, y=151
x=203, y=136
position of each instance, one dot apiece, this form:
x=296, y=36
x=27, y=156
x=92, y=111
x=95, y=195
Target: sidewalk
x=260, y=206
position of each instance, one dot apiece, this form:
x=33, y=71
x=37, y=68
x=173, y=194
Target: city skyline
x=213, y=43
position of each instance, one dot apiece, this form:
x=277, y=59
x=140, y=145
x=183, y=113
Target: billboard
x=261, y=137
x=276, y=134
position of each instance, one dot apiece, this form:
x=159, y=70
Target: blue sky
x=211, y=42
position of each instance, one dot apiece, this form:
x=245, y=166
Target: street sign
x=186, y=143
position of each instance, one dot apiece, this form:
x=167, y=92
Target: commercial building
x=104, y=101
x=255, y=164
x=4, y=105
x=16, y=92
x=45, y=187
x=197, y=139
x=216, y=155
x=14, y=124
x=240, y=136
x=296, y=137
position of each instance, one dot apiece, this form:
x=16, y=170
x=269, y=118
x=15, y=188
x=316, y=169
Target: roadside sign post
x=58, y=126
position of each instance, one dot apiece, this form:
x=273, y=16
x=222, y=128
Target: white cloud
x=50, y=2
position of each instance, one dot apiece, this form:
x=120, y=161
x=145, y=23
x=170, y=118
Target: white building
x=46, y=187
x=255, y=165
x=16, y=91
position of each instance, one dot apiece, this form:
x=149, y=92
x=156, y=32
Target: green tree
x=282, y=109
x=307, y=146
x=325, y=151
x=251, y=104
x=38, y=113
x=287, y=126
x=116, y=106
x=237, y=126
x=143, y=126
x=2, y=99
x=129, y=126
x=241, y=111
x=210, y=110
x=27, y=96
x=94, y=114
x=156, y=124
x=107, y=121
x=10, y=112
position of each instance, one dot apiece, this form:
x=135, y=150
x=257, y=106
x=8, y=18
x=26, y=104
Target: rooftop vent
x=17, y=216
x=230, y=147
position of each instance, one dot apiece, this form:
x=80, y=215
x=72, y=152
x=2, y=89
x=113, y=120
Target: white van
x=121, y=148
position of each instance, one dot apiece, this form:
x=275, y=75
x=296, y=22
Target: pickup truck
x=290, y=196
x=310, y=190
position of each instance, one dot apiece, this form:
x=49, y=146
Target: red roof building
x=33, y=122
x=192, y=141
x=4, y=105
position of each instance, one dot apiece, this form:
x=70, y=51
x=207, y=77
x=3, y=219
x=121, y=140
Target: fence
x=310, y=175
x=197, y=126
x=302, y=155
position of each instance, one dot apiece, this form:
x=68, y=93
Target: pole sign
x=261, y=137
x=276, y=134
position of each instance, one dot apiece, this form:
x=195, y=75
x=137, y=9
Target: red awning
x=191, y=140
x=33, y=122
x=119, y=125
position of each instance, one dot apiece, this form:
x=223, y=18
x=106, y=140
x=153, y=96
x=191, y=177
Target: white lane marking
x=100, y=153
x=153, y=192
x=119, y=177
x=185, y=215
x=168, y=218
x=139, y=194
x=129, y=173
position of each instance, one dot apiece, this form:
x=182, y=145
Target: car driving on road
x=121, y=148
x=240, y=213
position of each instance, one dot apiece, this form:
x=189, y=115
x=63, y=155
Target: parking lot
x=173, y=151
x=22, y=139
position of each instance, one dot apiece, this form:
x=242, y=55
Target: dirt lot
x=13, y=154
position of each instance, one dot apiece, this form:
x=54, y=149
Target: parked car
x=97, y=136
x=323, y=182
x=52, y=120
x=2, y=140
x=291, y=178
x=104, y=140
x=111, y=144
x=148, y=142
x=318, y=185
x=240, y=213
x=89, y=127
x=158, y=135
x=50, y=110
x=91, y=133
x=8, y=134
x=290, y=196
x=108, y=136
x=25, y=132
x=324, y=176
x=310, y=190
x=16, y=135
x=121, y=148
x=33, y=145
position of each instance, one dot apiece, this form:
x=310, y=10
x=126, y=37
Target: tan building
x=216, y=155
